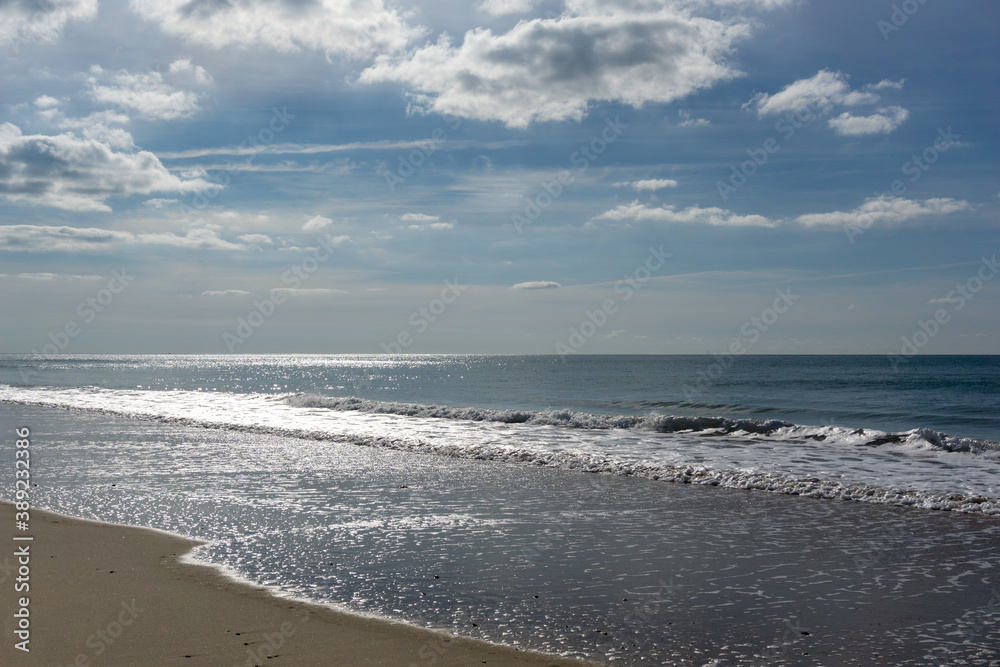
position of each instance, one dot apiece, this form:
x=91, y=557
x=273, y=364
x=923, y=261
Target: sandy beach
x=104, y=594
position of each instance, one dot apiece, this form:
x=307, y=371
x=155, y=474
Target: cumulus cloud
x=651, y=184
x=883, y=122
x=688, y=121
x=41, y=20
x=74, y=173
x=553, y=69
x=820, y=91
x=826, y=90
x=152, y=95
x=351, y=28
x=885, y=210
x=46, y=102
x=886, y=84
x=714, y=216
x=103, y=126
x=184, y=69
x=316, y=223
x=100, y=126
x=40, y=238
x=337, y=241
x=537, y=284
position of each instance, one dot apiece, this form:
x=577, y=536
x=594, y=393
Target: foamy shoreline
x=109, y=594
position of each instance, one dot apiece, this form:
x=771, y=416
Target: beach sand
x=104, y=594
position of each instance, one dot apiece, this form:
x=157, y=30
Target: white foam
x=920, y=468
x=918, y=438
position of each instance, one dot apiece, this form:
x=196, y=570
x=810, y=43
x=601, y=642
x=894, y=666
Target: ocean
x=632, y=509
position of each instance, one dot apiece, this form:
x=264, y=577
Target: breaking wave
x=289, y=416
x=921, y=438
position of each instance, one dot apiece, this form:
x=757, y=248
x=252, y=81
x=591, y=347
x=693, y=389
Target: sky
x=500, y=176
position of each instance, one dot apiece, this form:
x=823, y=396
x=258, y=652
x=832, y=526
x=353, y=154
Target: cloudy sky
x=611, y=176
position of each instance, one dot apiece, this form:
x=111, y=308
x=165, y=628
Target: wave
x=920, y=438
x=243, y=417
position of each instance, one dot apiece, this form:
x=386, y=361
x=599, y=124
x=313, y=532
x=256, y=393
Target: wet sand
x=104, y=594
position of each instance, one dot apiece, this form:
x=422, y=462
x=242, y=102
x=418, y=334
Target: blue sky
x=311, y=175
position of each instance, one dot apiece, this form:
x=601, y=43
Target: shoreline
x=108, y=594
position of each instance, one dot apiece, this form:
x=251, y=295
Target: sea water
x=453, y=492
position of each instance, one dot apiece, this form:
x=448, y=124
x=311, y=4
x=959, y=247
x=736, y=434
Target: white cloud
x=883, y=122
x=319, y=291
x=226, y=292
x=352, y=28
x=553, y=69
x=311, y=149
x=160, y=203
x=425, y=222
x=885, y=210
x=151, y=94
x=316, y=223
x=503, y=7
x=826, y=90
x=73, y=173
x=255, y=239
x=819, y=92
x=183, y=69
x=99, y=126
x=41, y=20
x=54, y=276
x=653, y=5
x=433, y=226
x=201, y=238
x=46, y=102
x=537, y=284
x=337, y=241
x=40, y=238
x=762, y=4
x=651, y=184
x=688, y=121
x=419, y=217
x=693, y=215
x=282, y=167
x=885, y=84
